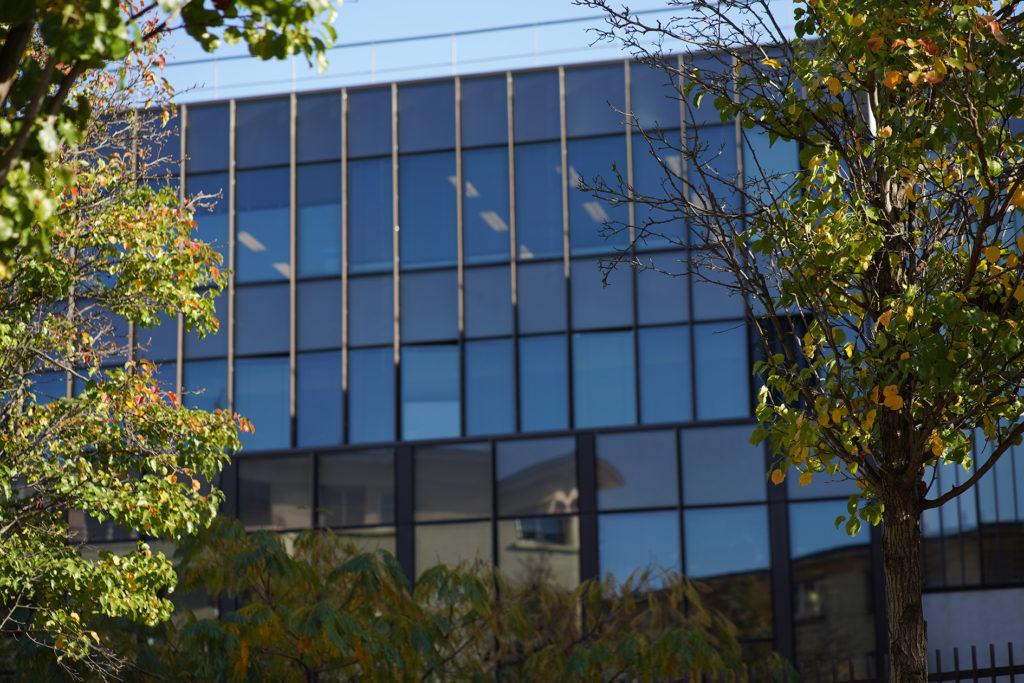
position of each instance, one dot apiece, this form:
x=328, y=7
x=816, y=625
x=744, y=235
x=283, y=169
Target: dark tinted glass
x=721, y=466
x=261, y=319
x=638, y=541
x=665, y=390
x=429, y=306
x=207, y=138
x=590, y=160
x=426, y=116
x=160, y=342
x=370, y=223
x=357, y=488
x=636, y=469
x=722, y=371
x=596, y=305
x=713, y=173
x=212, y=217
x=371, y=395
x=451, y=543
x=529, y=547
x=430, y=391
x=592, y=96
x=603, y=379
x=428, y=233
x=319, y=314
x=206, y=384
x=653, y=97
x=319, y=127
x=541, y=297
x=484, y=111
x=261, y=394
x=262, y=251
x=275, y=493
x=539, y=200
x=319, y=219
x=211, y=345
x=318, y=399
x=543, y=383
x=662, y=297
x=369, y=122
x=488, y=301
x=485, y=204
x=263, y=132
x=824, y=486
x=49, y=386
x=536, y=476
x=535, y=98
x=657, y=173
x=371, y=310
x=490, y=387
x=452, y=481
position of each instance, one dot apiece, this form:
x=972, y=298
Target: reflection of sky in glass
x=723, y=541
x=539, y=200
x=262, y=250
x=490, y=387
x=603, y=379
x=541, y=297
x=812, y=528
x=721, y=466
x=664, y=365
x=637, y=541
x=430, y=391
x=209, y=379
x=488, y=301
x=371, y=395
x=722, y=371
x=319, y=219
x=370, y=223
x=261, y=394
x=485, y=204
x=589, y=159
x=543, y=383
x=636, y=469
x=427, y=210
x=318, y=389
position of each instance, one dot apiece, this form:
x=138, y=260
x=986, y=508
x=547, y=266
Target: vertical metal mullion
x=494, y=502
x=688, y=239
x=344, y=266
x=405, y=530
x=512, y=238
x=395, y=262
x=781, y=572
x=460, y=254
x=179, y=378
x=586, y=473
x=637, y=396
x=292, y=271
x=232, y=219
x=563, y=139
x=680, y=508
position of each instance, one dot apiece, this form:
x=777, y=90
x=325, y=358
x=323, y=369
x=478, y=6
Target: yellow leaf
x=915, y=77
x=905, y=355
x=1018, y=197
x=778, y=476
x=874, y=395
x=1020, y=243
x=892, y=79
x=833, y=84
x=772, y=63
x=805, y=478
x=884, y=132
x=992, y=253
x=908, y=192
x=884, y=319
x=1011, y=260
x=1018, y=293
x=95, y=636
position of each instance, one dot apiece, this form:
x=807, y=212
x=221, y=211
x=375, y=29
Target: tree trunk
x=904, y=581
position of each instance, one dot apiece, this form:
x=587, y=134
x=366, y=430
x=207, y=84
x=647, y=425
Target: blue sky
x=382, y=41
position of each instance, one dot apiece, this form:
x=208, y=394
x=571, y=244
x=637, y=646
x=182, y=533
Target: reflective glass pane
x=261, y=248
x=653, y=96
x=590, y=160
x=539, y=200
x=485, y=204
x=821, y=486
x=662, y=297
x=536, y=476
x=664, y=359
x=428, y=233
x=484, y=111
x=318, y=399
x=357, y=488
x=452, y=481
x=543, y=383
x=215, y=344
x=319, y=219
x=371, y=539
x=254, y=119
x=722, y=371
x=429, y=305
x=426, y=116
x=636, y=469
x=721, y=466
x=595, y=304
x=370, y=222
x=319, y=314
x=713, y=173
x=261, y=394
x=165, y=374
x=535, y=102
x=261, y=319
x=540, y=548
x=318, y=130
x=160, y=342
x=371, y=310
x=206, y=142
x=488, y=301
x=490, y=387
x=711, y=70
x=594, y=96
x=430, y=391
x=657, y=172
x=371, y=395
x=369, y=122
x=211, y=215
x=727, y=548
x=637, y=541
x=711, y=298
x=275, y=493
x=541, y=297
x=206, y=384
x=603, y=379
x=451, y=544
x=49, y=386
x=160, y=145
x=769, y=168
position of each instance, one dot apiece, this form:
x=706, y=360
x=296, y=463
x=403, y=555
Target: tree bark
x=904, y=581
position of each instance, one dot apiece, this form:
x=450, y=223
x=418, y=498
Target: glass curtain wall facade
x=417, y=326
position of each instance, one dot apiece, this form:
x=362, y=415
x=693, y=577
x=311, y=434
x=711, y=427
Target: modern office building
x=417, y=326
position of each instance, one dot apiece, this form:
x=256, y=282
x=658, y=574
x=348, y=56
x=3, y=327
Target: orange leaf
x=892, y=79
